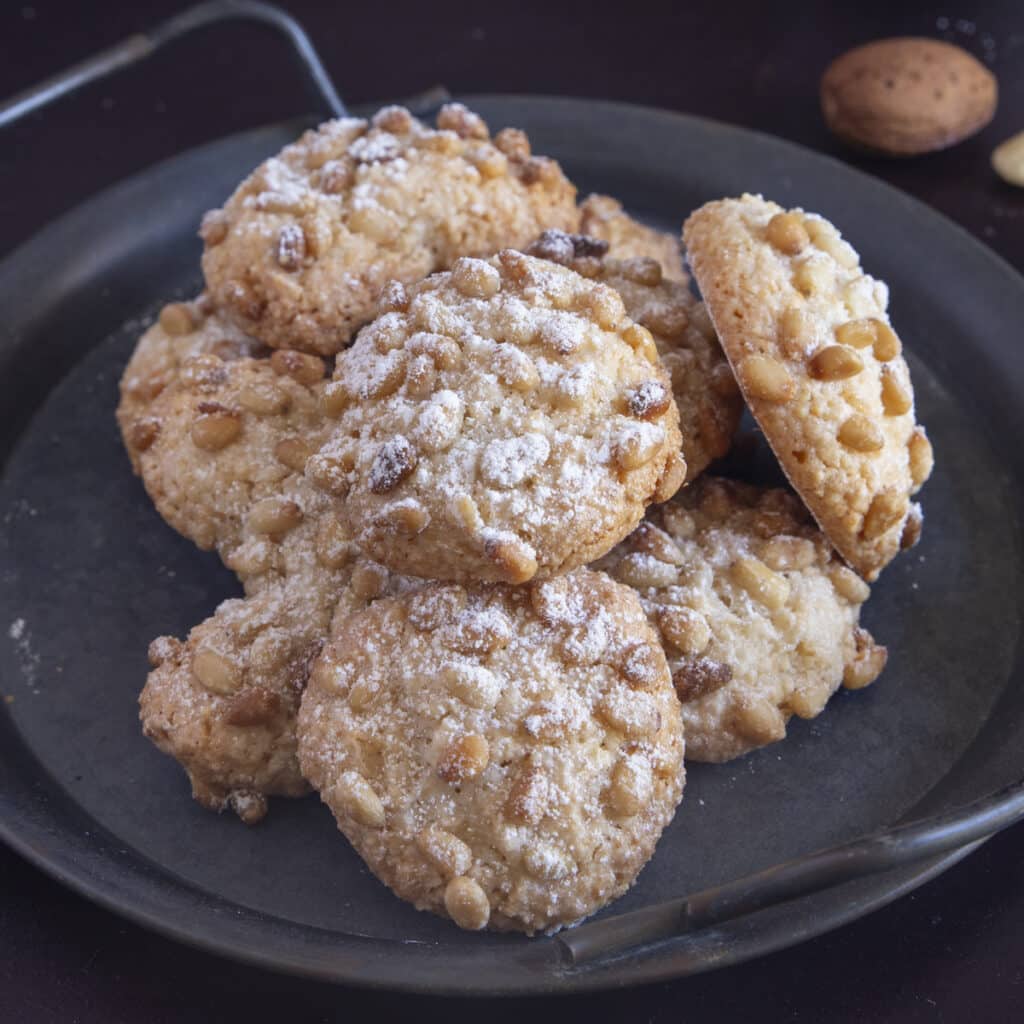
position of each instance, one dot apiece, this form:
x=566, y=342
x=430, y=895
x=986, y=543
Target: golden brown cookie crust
x=182, y=331
x=301, y=252
x=224, y=467
x=225, y=464
x=501, y=421
x=223, y=702
x=807, y=333
x=504, y=756
x=758, y=616
x=604, y=217
x=706, y=393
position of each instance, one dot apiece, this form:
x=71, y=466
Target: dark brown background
x=952, y=951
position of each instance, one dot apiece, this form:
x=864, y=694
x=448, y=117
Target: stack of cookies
x=451, y=429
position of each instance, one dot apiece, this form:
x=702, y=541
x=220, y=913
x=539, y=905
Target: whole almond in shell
x=907, y=95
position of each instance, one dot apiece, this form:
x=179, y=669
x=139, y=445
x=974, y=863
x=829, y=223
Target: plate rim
x=569, y=983
x=389, y=975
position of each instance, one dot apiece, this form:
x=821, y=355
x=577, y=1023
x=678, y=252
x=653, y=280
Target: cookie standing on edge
x=603, y=217
x=757, y=615
x=505, y=756
x=706, y=393
x=299, y=254
x=501, y=421
x=819, y=364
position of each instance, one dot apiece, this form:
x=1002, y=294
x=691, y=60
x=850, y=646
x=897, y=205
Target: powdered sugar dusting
x=508, y=760
x=507, y=463
x=516, y=406
x=562, y=332
x=281, y=188
x=375, y=148
x=28, y=657
x=439, y=421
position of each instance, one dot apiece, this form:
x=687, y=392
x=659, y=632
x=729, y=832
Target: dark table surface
x=952, y=951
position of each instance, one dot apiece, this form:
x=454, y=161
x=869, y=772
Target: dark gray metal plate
x=89, y=574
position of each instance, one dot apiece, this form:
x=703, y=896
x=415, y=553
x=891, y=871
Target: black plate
x=90, y=574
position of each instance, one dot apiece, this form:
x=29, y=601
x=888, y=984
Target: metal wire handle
x=873, y=854
x=137, y=47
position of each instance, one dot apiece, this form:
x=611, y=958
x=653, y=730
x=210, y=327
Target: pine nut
x=215, y=672
x=766, y=378
x=861, y=434
x=836, y=362
x=467, y=904
x=765, y=586
x=787, y=233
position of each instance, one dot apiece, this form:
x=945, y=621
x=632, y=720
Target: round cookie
x=183, y=330
x=603, y=217
x=223, y=702
x=505, y=756
x=503, y=420
x=757, y=614
x=706, y=393
x=224, y=467
x=300, y=253
x=224, y=461
x=807, y=333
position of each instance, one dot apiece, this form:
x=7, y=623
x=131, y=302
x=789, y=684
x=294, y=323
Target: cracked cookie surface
x=505, y=756
x=807, y=333
x=300, y=253
x=758, y=616
x=500, y=421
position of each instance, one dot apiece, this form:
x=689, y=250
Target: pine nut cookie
x=706, y=393
x=224, y=461
x=757, y=614
x=603, y=217
x=504, y=756
x=300, y=253
x=224, y=468
x=223, y=702
x=819, y=364
x=182, y=331
x=503, y=420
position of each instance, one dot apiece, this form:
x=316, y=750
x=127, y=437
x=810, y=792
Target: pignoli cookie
x=183, y=331
x=758, y=616
x=705, y=390
x=504, y=756
x=224, y=465
x=299, y=254
x=807, y=333
x=499, y=421
x=223, y=702
x=603, y=217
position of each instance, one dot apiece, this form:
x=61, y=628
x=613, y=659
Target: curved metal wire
x=137, y=47
x=881, y=851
